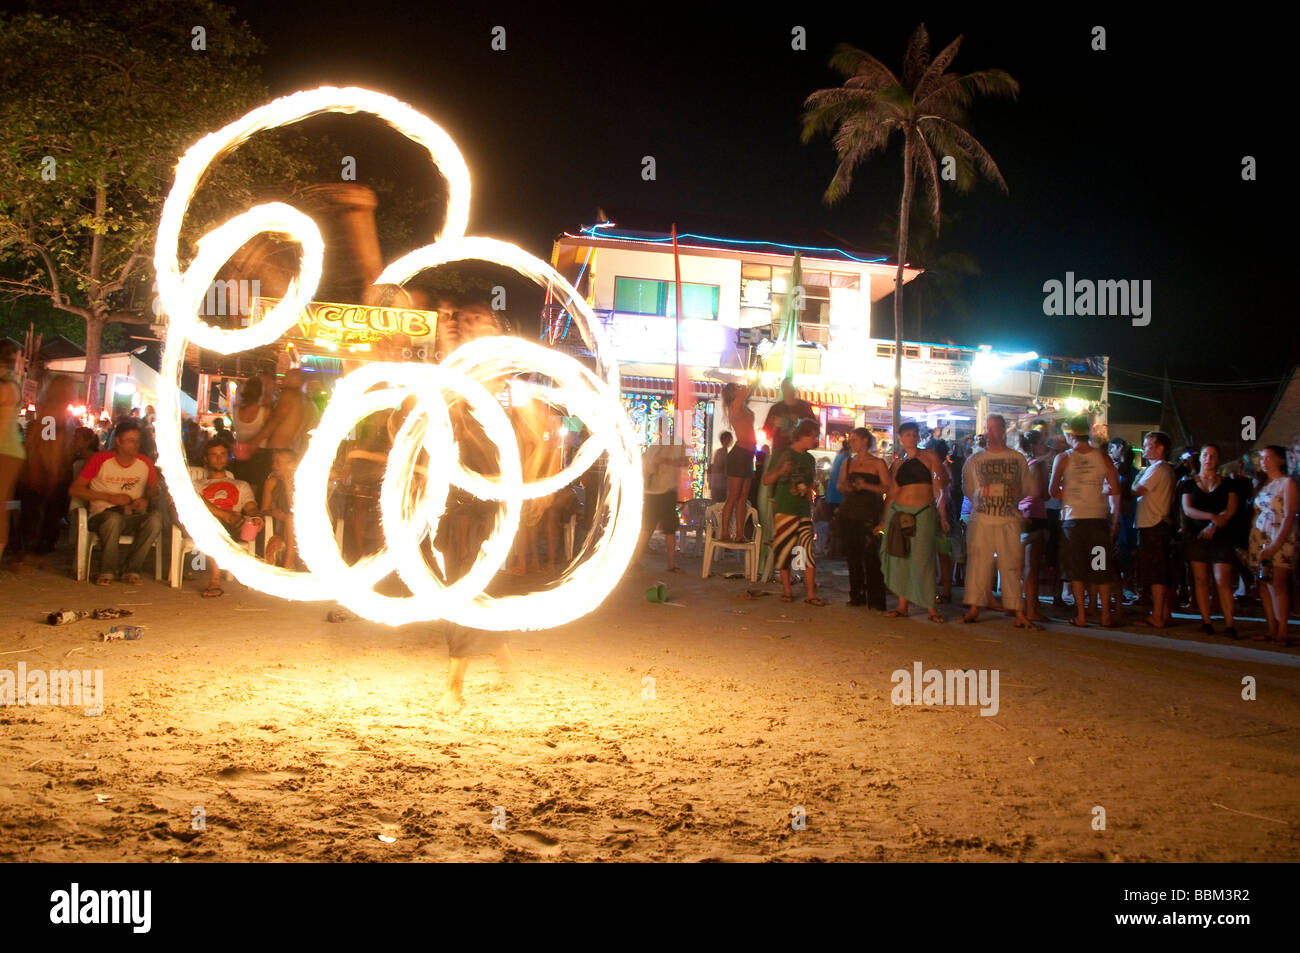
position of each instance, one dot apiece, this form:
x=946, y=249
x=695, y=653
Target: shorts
x=1052, y=555
x=1035, y=532
x=1215, y=550
x=1079, y=551
x=660, y=513
x=740, y=463
x=1155, y=555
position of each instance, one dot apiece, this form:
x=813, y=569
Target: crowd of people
x=1015, y=518
x=48, y=460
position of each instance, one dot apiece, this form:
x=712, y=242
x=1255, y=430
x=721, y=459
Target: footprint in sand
x=535, y=841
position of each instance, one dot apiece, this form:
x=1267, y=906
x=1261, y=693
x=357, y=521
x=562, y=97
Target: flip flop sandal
x=893, y=614
x=213, y=591
x=1033, y=627
x=787, y=598
x=103, y=579
x=814, y=601
x=133, y=579
x=936, y=619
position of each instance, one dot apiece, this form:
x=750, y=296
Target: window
x=911, y=350
x=884, y=350
x=640, y=296
x=647, y=296
x=755, y=286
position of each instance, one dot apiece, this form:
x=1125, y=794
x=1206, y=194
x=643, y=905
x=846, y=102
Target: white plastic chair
x=87, y=541
x=694, y=513
x=713, y=540
x=182, y=544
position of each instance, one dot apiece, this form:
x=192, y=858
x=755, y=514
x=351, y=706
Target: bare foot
x=935, y=617
x=451, y=702
x=972, y=615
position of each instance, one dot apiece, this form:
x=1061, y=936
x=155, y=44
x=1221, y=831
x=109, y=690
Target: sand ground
x=709, y=730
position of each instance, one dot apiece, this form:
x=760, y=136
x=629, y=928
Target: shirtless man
x=285, y=427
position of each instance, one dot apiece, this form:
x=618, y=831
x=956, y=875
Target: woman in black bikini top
x=912, y=471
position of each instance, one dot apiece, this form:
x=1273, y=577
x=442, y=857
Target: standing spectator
x=1209, y=504
x=794, y=472
x=1121, y=454
x=718, y=469
x=943, y=547
x=1238, y=529
x=1033, y=507
x=660, y=464
x=834, y=498
x=43, y=486
x=740, y=461
x=252, y=461
x=120, y=486
x=277, y=497
x=1080, y=478
x=918, y=486
x=784, y=416
x=956, y=528
x=862, y=482
x=996, y=481
x=229, y=499
x=1273, y=541
x=1055, y=446
x=1154, y=491
x=12, y=453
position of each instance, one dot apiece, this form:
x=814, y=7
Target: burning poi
x=411, y=508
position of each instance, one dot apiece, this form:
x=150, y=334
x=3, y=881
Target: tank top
x=866, y=506
x=913, y=471
x=244, y=431
x=11, y=437
x=1082, y=496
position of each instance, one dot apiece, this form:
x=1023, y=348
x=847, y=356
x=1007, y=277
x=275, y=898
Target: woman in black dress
x=863, y=480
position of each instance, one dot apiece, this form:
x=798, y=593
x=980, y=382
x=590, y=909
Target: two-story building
x=732, y=298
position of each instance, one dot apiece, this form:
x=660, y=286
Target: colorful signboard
x=358, y=323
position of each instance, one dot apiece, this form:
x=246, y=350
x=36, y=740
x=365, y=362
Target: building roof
x=1282, y=422
x=703, y=231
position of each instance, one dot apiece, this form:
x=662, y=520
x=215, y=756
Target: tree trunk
x=94, y=333
x=903, y=218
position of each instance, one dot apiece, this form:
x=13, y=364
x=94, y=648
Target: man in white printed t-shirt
x=230, y=500
x=995, y=480
x=1154, y=489
x=120, y=486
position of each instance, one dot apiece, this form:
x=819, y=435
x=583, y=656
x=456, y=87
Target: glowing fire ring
x=594, y=399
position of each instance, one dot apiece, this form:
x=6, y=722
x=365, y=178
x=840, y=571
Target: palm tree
x=944, y=271
x=928, y=105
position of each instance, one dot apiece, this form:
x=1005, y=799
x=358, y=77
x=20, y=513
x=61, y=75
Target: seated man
x=120, y=486
x=229, y=500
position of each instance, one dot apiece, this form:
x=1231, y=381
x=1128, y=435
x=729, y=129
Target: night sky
x=1122, y=164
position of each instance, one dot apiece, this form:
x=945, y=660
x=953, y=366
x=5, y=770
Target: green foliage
x=928, y=106
x=113, y=95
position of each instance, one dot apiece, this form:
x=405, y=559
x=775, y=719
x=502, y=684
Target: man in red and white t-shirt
x=230, y=500
x=120, y=485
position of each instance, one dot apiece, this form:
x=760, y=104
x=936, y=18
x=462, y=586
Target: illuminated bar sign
x=358, y=323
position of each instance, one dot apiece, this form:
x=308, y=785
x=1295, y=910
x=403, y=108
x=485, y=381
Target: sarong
x=912, y=577
x=790, y=533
